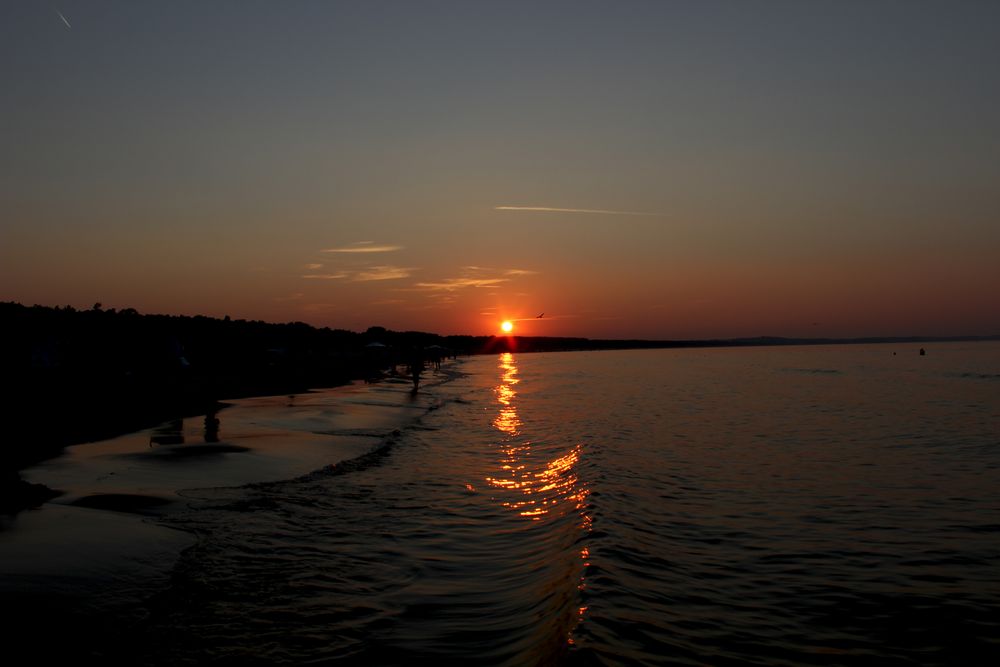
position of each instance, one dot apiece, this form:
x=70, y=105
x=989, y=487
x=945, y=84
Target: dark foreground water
x=776, y=506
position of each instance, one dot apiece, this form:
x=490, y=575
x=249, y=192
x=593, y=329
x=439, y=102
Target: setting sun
x=507, y=326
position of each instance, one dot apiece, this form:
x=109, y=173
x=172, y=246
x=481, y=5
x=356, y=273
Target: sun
x=507, y=326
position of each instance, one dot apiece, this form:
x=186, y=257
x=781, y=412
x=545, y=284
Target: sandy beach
x=98, y=546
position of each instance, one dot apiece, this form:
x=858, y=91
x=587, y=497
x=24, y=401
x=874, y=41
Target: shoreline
x=98, y=416
x=88, y=558
x=238, y=441
x=101, y=412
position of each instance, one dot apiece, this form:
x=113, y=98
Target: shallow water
x=795, y=505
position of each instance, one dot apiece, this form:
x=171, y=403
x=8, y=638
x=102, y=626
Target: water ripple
x=647, y=508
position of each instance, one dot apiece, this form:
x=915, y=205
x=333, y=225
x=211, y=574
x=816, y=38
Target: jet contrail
x=63, y=19
x=550, y=209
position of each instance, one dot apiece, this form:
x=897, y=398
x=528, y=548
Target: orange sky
x=658, y=170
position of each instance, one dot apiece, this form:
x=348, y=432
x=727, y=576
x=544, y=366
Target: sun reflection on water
x=535, y=489
x=543, y=487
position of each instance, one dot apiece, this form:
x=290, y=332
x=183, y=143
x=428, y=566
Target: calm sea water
x=777, y=506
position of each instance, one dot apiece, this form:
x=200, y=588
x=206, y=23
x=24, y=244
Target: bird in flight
x=539, y=317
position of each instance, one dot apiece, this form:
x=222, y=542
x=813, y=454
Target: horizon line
x=833, y=339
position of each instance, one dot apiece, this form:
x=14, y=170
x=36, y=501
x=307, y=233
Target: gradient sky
x=632, y=169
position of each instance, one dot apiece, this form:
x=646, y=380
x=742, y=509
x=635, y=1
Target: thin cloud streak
x=551, y=209
x=383, y=273
x=63, y=18
x=325, y=276
x=379, y=272
x=364, y=248
x=474, y=277
x=452, y=284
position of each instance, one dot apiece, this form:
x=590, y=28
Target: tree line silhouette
x=75, y=376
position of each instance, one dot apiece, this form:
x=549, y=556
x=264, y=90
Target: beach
x=101, y=547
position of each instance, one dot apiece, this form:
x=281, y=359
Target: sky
x=666, y=170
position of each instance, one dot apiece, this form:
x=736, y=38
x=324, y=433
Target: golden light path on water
x=551, y=487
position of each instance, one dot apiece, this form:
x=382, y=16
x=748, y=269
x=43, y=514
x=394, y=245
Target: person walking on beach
x=416, y=366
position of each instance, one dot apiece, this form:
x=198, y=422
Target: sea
x=791, y=505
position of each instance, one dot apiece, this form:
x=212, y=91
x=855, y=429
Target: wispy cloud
x=326, y=276
x=472, y=276
x=364, y=247
x=383, y=273
x=552, y=209
x=313, y=267
x=378, y=272
x=473, y=269
x=452, y=284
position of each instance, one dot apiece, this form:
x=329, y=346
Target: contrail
x=63, y=19
x=549, y=209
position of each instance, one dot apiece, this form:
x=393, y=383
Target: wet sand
x=250, y=440
x=97, y=546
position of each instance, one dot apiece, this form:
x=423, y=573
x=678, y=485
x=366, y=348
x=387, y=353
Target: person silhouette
x=211, y=427
x=416, y=367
